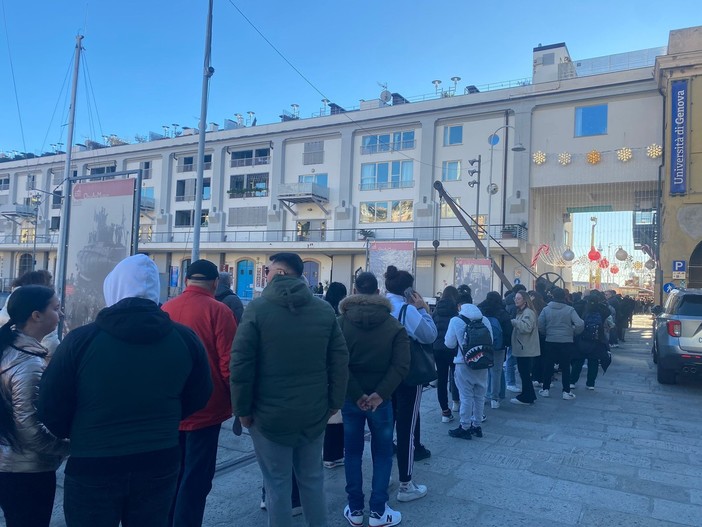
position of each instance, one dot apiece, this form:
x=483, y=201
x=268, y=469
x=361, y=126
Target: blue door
x=245, y=279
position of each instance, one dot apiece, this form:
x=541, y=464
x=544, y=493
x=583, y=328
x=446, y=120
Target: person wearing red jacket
x=215, y=324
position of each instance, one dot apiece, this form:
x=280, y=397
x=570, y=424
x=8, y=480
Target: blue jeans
x=380, y=424
x=198, y=461
x=132, y=498
x=497, y=377
x=510, y=364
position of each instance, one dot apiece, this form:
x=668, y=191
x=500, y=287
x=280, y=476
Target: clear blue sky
x=144, y=58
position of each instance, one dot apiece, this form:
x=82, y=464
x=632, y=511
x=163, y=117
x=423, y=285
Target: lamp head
x=519, y=147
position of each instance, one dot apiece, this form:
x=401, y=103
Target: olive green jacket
x=289, y=363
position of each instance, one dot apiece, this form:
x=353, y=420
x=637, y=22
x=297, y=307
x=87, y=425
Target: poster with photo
x=401, y=254
x=101, y=223
x=475, y=273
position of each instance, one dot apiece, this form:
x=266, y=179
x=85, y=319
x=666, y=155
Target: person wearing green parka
x=288, y=375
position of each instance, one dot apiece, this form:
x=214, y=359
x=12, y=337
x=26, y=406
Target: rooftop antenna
x=176, y=132
x=250, y=117
x=437, y=83
x=325, y=102
x=455, y=80
x=166, y=129
x=295, y=110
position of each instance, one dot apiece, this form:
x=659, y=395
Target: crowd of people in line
x=136, y=399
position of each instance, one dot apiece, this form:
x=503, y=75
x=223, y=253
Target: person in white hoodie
x=471, y=384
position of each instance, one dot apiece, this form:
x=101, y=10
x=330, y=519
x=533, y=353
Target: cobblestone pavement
x=627, y=454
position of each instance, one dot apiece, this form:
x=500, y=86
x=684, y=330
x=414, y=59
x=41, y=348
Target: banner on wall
x=678, y=139
x=401, y=254
x=173, y=276
x=476, y=273
x=101, y=224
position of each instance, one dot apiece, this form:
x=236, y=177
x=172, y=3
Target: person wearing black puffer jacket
x=492, y=307
x=446, y=309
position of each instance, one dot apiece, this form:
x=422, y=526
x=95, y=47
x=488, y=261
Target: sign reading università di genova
x=678, y=138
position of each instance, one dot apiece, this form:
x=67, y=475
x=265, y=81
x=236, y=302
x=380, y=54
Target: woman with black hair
x=446, y=309
x=29, y=453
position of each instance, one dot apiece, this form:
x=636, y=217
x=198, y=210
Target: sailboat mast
x=207, y=73
x=62, y=248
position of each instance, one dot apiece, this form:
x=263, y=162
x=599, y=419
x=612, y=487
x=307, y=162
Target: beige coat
x=525, y=336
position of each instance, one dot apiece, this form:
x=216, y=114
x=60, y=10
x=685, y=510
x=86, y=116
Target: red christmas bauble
x=604, y=263
x=614, y=269
x=594, y=255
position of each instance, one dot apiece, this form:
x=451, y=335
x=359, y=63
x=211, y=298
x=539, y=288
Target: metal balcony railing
x=388, y=147
x=302, y=190
x=28, y=239
x=191, y=167
x=248, y=193
x=386, y=185
x=250, y=161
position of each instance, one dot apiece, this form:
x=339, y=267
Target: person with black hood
x=446, y=309
x=229, y=298
x=493, y=308
x=379, y=358
x=559, y=323
x=593, y=342
x=413, y=313
x=118, y=389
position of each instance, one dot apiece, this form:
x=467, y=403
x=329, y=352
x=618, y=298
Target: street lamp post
x=492, y=188
x=36, y=202
x=476, y=182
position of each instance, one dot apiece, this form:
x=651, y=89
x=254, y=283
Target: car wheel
x=666, y=376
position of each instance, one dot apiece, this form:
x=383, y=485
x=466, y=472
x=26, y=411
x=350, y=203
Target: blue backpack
x=497, y=339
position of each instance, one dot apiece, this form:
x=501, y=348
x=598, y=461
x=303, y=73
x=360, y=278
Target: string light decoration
x=625, y=154
x=637, y=265
x=654, y=151
x=564, y=158
x=539, y=157
x=593, y=157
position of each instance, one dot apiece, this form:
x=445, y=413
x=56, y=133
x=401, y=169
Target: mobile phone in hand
x=409, y=295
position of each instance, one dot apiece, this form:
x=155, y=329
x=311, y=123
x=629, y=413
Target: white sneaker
x=411, y=491
x=536, y=384
x=334, y=464
x=567, y=396
x=572, y=386
x=388, y=518
x=494, y=404
x=544, y=393
x=513, y=388
x=590, y=387
x=456, y=406
x=355, y=518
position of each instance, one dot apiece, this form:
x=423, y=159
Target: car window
x=671, y=303
x=690, y=305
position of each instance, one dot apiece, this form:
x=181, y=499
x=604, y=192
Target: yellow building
x=679, y=75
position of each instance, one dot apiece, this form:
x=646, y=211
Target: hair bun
x=391, y=271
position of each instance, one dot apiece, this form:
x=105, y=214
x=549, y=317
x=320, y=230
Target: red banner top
x=104, y=189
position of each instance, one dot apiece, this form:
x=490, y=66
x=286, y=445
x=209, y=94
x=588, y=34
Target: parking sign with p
x=679, y=269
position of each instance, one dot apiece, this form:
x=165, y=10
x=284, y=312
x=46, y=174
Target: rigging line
x=53, y=114
x=345, y=114
x=91, y=129
x=92, y=92
x=14, y=81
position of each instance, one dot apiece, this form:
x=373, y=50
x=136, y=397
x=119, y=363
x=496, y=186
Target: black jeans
x=561, y=353
x=524, y=365
x=136, y=499
x=333, y=442
x=444, y=369
x=577, y=368
x=27, y=498
x=406, y=401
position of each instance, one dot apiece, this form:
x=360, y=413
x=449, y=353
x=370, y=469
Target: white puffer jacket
x=21, y=368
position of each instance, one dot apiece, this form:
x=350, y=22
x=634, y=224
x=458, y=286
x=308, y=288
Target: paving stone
x=679, y=513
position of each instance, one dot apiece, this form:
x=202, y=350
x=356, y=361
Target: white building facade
x=323, y=186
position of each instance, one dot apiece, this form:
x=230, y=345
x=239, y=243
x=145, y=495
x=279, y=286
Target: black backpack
x=594, y=327
x=477, y=348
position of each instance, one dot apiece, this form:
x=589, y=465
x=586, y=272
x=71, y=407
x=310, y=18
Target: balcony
x=250, y=161
x=191, y=167
x=28, y=239
x=294, y=193
x=17, y=212
x=186, y=197
x=147, y=204
x=387, y=147
x=247, y=193
x=384, y=185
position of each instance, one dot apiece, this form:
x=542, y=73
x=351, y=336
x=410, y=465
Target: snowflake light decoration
x=564, y=158
x=625, y=154
x=539, y=157
x=654, y=151
x=593, y=157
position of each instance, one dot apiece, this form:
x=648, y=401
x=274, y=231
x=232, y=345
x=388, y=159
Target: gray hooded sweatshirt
x=559, y=322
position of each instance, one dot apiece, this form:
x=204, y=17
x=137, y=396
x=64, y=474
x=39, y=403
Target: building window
x=394, y=174
x=185, y=190
x=145, y=169
x=187, y=164
x=372, y=144
x=206, y=188
x=446, y=212
x=453, y=135
x=55, y=223
x=99, y=171
x=451, y=171
x=386, y=211
x=247, y=158
x=5, y=183
x=56, y=198
x=318, y=179
x=590, y=120
x=314, y=153
x=31, y=181
x=205, y=218
x=184, y=218
x=248, y=185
